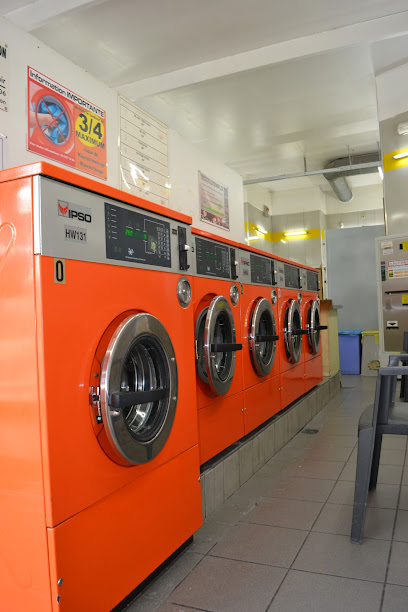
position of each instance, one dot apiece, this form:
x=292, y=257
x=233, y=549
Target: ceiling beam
x=281, y=177
x=35, y=14
x=354, y=35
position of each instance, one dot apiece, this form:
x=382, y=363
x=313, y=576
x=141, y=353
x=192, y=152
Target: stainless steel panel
x=82, y=236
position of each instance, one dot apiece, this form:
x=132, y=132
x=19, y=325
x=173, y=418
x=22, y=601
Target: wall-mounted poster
x=64, y=126
x=214, y=207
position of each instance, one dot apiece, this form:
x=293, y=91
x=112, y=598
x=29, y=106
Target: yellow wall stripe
x=392, y=164
x=312, y=234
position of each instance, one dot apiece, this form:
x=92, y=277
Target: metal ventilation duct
x=338, y=180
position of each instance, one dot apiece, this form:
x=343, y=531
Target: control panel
x=261, y=270
x=135, y=236
x=289, y=276
x=312, y=281
x=73, y=223
x=392, y=275
x=212, y=258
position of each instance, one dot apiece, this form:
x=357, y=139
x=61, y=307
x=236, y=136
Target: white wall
x=24, y=49
x=392, y=92
x=185, y=160
x=258, y=196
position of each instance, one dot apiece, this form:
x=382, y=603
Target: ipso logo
x=74, y=211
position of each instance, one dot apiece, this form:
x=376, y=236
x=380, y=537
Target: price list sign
x=64, y=126
x=143, y=154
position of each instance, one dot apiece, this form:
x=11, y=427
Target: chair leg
x=376, y=461
x=364, y=457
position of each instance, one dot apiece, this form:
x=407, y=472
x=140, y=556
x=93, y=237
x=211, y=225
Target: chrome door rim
x=219, y=384
x=262, y=367
x=294, y=341
x=124, y=431
x=314, y=327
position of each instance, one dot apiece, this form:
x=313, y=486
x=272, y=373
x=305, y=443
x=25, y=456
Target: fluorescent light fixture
x=403, y=129
x=261, y=230
x=168, y=186
x=298, y=233
x=400, y=155
x=253, y=238
x=284, y=241
x=381, y=172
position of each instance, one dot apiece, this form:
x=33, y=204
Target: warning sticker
x=398, y=269
x=404, y=299
x=405, y=246
x=388, y=251
x=386, y=244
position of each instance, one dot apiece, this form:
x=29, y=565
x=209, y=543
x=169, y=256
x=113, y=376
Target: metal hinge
x=95, y=400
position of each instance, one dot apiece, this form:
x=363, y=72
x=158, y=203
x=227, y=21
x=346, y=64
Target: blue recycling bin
x=350, y=351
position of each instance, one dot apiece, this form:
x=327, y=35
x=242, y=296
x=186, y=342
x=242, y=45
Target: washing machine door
x=314, y=327
x=138, y=389
x=293, y=331
x=216, y=345
x=262, y=337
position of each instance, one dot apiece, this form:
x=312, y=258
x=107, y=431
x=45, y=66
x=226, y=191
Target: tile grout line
x=392, y=535
x=303, y=543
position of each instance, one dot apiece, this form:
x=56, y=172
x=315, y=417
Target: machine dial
x=234, y=294
x=183, y=291
x=274, y=297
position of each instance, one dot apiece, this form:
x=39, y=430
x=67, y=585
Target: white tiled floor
x=281, y=542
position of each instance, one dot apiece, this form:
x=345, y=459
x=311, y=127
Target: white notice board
x=143, y=154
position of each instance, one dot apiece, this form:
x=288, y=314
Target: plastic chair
x=385, y=416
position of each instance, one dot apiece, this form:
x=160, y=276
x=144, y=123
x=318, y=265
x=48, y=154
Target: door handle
x=225, y=348
x=266, y=338
x=127, y=399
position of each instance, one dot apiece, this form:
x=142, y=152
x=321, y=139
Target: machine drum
x=138, y=392
x=215, y=346
x=262, y=337
x=293, y=332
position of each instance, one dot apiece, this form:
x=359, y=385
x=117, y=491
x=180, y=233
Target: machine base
x=261, y=402
x=292, y=384
x=313, y=372
x=220, y=425
x=110, y=548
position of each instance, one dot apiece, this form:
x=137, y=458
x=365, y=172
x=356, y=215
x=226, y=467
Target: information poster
x=4, y=77
x=214, y=206
x=64, y=126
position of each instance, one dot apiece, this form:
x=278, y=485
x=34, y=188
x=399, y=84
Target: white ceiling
x=262, y=115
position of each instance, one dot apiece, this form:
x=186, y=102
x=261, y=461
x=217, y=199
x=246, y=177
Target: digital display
x=292, y=277
x=261, y=270
x=212, y=259
x=136, y=237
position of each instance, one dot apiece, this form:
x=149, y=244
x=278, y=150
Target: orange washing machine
x=98, y=440
x=290, y=332
x=218, y=343
x=260, y=339
x=313, y=363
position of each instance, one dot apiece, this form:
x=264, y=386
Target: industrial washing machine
x=99, y=455
x=291, y=332
x=218, y=343
x=313, y=361
x=260, y=322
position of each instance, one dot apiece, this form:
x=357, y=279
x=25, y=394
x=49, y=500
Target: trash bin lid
x=350, y=332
